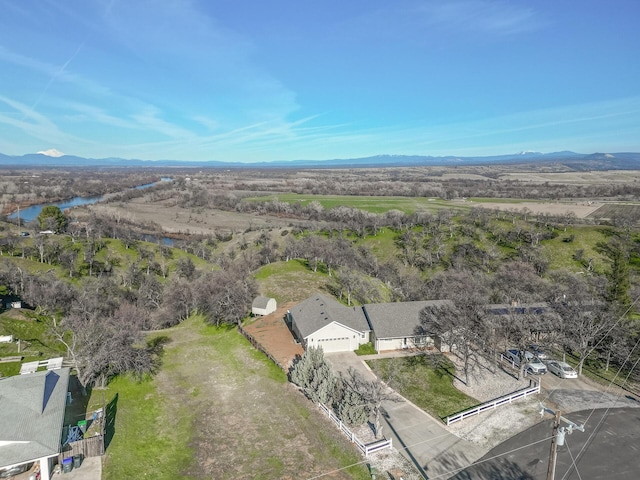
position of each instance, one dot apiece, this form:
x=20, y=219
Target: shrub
x=366, y=349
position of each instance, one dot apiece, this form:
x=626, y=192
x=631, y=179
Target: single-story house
x=396, y=325
x=263, y=306
x=31, y=418
x=320, y=321
x=540, y=318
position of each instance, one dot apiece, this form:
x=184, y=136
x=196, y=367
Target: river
x=31, y=213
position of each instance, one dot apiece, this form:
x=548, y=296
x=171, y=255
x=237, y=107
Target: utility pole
x=557, y=437
x=553, y=454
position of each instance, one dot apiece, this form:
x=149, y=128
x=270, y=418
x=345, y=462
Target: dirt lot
x=580, y=209
x=274, y=336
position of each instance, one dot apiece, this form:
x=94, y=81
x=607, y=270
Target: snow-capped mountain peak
x=52, y=152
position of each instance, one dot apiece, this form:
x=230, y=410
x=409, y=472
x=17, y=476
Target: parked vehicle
x=538, y=352
x=10, y=472
x=562, y=369
x=532, y=363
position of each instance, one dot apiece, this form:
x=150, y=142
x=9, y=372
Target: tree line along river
x=31, y=213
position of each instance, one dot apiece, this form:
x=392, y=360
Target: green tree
x=618, y=288
x=313, y=374
x=52, y=218
x=352, y=409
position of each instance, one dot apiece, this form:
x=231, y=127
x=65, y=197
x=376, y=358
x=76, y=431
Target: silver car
x=562, y=369
x=538, y=352
x=532, y=363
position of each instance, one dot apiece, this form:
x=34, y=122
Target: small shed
x=263, y=306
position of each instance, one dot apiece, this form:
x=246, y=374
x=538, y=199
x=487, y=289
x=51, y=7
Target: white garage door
x=334, y=344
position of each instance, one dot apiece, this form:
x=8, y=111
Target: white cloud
x=494, y=17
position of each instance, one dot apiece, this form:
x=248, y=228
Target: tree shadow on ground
x=110, y=421
x=77, y=409
x=497, y=469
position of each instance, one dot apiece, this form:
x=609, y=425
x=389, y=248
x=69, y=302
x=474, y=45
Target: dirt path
x=247, y=421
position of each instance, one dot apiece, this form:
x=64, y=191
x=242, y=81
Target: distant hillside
x=571, y=160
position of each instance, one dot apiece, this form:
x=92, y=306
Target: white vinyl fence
x=518, y=394
x=366, y=449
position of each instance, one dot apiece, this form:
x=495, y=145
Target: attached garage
x=335, y=344
x=335, y=337
x=322, y=322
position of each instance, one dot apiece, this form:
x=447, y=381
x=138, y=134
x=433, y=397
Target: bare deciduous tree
x=372, y=393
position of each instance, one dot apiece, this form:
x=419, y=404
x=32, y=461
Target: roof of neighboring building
x=518, y=308
x=261, y=302
x=398, y=319
x=319, y=311
x=32, y=413
x=541, y=316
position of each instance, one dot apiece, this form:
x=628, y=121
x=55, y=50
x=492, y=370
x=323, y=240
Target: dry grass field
x=189, y=221
x=174, y=219
x=575, y=178
x=579, y=209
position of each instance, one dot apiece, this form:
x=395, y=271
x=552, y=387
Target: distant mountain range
x=571, y=160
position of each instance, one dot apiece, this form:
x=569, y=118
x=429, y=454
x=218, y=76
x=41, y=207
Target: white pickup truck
x=532, y=363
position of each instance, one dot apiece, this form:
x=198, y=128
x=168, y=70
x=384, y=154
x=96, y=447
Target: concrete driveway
x=417, y=435
x=90, y=469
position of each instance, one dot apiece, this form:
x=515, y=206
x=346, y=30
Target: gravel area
x=489, y=429
x=389, y=461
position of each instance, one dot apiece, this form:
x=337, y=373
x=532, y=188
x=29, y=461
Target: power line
x=574, y=461
x=604, y=416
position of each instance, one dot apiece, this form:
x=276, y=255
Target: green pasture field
x=502, y=200
x=371, y=204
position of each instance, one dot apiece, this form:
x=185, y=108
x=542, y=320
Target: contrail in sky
x=54, y=77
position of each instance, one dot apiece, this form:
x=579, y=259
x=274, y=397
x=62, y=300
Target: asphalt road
x=609, y=448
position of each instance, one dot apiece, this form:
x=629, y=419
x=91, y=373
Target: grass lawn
x=426, y=383
x=34, y=344
x=220, y=409
x=151, y=435
x=290, y=281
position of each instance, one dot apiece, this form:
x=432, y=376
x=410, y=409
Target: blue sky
x=284, y=80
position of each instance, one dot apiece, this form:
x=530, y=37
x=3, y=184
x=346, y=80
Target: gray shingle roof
x=319, y=311
x=32, y=410
x=260, y=302
x=397, y=320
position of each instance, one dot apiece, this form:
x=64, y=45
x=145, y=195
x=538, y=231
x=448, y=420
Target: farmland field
x=611, y=210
